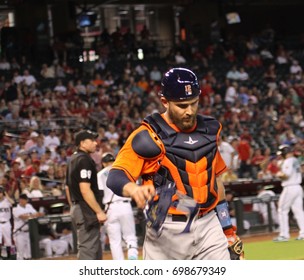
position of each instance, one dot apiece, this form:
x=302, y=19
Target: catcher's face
x=182, y=113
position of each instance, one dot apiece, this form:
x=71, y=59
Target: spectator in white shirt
x=233, y=74
x=60, y=87
x=36, y=187
x=266, y=54
x=52, y=141
x=47, y=72
x=4, y=64
x=32, y=141
x=30, y=122
x=243, y=75
x=80, y=87
x=155, y=74
x=296, y=69
x=231, y=93
x=111, y=133
x=28, y=78
x=179, y=58
x=141, y=69
x=17, y=78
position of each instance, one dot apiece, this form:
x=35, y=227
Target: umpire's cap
x=83, y=135
x=107, y=157
x=179, y=84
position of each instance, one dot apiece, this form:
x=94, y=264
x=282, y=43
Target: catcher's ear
x=164, y=101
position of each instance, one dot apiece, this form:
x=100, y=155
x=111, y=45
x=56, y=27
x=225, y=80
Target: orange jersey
x=192, y=158
x=135, y=165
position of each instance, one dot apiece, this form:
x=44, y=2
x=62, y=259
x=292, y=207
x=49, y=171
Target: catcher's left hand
x=236, y=248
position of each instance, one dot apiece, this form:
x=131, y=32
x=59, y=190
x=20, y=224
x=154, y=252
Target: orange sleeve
x=133, y=164
x=220, y=166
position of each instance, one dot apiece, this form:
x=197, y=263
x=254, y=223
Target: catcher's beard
x=184, y=123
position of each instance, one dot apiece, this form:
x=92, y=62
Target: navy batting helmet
x=283, y=150
x=180, y=84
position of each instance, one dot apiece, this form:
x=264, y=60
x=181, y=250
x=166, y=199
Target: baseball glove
x=236, y=248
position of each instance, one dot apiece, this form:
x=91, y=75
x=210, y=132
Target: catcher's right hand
x=236, y=248
x=140, y=194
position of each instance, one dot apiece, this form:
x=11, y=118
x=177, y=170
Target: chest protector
x=190, y=158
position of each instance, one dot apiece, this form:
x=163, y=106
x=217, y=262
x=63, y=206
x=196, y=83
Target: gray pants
x=205, y=241
x=88, y=241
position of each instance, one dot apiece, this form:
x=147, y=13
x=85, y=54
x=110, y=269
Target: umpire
x=84, y=196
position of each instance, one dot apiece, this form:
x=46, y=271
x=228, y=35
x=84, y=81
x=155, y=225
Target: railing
x=240, y=213
x=245, y=195
x=49, y=203
x=248, y=187
x=17, y=126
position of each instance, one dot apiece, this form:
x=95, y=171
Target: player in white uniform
x=5, y=218
x=120, y=224
x=292, y=194
x=22, y=213
x=265, y=195
x=50, y=243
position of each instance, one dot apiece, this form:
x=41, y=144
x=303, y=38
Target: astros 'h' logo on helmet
x=188, y=90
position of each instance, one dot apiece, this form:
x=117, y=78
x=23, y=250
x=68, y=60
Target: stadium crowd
x=254, y=85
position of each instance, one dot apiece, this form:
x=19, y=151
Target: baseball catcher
x=176, y=156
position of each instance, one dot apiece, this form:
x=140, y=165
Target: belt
x=4, y=222
x=124, y=201
x=184, y=218
x=178, y=218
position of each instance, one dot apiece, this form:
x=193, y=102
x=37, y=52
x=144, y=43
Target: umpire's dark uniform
x=82, y=168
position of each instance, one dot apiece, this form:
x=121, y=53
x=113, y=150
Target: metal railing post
x=239, y=215
x=34, y=238
x=270, y=220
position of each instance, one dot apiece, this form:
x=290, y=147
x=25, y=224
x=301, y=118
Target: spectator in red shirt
x=15, y=168
x=245, y=154
x=32, y=169
x=209, y=77
x=230, y=55
x=209, y=51
x=246, y=135
x=252, y=60
x=256, y=161
x=273, y=166
x=206, y=91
